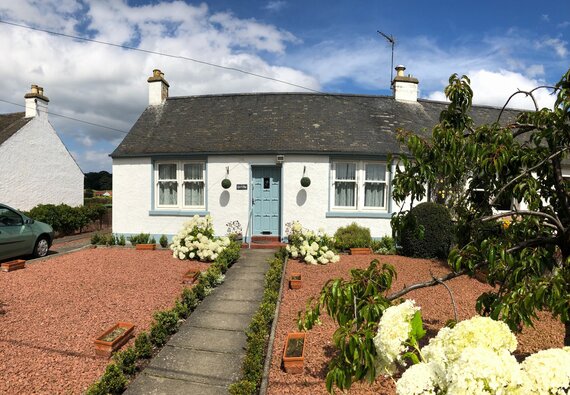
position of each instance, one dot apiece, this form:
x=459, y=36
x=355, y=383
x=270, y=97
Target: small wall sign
x=241, y=187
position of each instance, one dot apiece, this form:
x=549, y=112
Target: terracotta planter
x=146, y=247
x=361, y=251
x=105, y=346
x=191, y=276
x=295, y=281
x=294, y=353
x=13, y=265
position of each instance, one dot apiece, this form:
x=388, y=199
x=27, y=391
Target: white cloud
x=275, y=5
x=558, y=45
x=107, y=85
x=545, y=18
x=563, y=25
x=495, y=87
x=535, y=70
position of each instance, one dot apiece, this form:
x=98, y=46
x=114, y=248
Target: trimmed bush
x=163, y=241
x=352, y=236
x=141, y=238
x=143, y=346
x=427, y=231
x=385, y=246
x=126, y=361
x=113, y=382
x=65, y=219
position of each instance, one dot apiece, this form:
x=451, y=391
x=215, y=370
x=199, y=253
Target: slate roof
x=283, y=123
x=10, y=124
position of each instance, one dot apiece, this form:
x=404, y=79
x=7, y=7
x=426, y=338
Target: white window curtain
x=193, y=184
x=167, y=185
x=345, y=185
x=375, y=185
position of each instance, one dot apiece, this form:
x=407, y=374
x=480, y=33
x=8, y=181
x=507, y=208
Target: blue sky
x=330, y=46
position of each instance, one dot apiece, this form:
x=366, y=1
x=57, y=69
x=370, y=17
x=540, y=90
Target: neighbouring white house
x=172, y=163
x=35, y=166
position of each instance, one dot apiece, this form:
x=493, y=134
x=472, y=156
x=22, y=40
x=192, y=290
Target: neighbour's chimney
x=36, y=102
x=405, y=87
x=157, y=88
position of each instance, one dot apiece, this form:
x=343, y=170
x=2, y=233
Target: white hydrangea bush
x=310, y=247
x=474, y=357
x=547, y=372
x=196, y=240
x=393, y=332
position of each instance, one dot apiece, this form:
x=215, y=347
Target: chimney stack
x=36, y=102
x=405, y=87
x=157, y=88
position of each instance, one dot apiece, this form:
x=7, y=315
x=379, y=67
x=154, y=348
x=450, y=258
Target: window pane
x=345, y=171
x=193, y=171
x=374, y=195
x=375, y=172
x=167, y=172
x=344, y=194
x=194, y=194
x=168, y=192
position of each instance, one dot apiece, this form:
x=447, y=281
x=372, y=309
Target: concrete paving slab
x=254, y=295
x=225, y=321
x=226, y=341
x=229, y=306
x=245, y=276
x=153, y=385
x=204, y=367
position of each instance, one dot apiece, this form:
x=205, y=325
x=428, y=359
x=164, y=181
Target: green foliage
x=158, y=335
x=143, y=346
x=385, y=246
x=152, y=240
x=528, y=257
x=258, y=331
x=113, y=382
x=426, y=231
x=99, y=181
x=352, y=236
x=66, y=219
x=107, y=239
x=126, y=360
x=356, y=305
x=141, y=238
x=121, y=240
x=163, y=241
x=189, y=299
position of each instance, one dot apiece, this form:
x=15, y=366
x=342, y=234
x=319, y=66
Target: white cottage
x=35, y=166
x=174, y=160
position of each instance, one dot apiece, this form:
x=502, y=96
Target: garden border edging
x=269, y=353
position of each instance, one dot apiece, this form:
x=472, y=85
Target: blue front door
x=266, y=193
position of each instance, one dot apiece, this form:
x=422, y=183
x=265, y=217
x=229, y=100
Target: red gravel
x=436, y=310
x=55, y=308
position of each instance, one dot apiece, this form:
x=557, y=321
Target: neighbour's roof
x=10, y=124
x=284, y=123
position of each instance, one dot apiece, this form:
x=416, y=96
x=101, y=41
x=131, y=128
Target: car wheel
x=42, y=247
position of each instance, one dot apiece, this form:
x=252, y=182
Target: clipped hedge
x=352, y=236
x=427, y=231
x=65, y=219
x=166, y=322
x=259, y=331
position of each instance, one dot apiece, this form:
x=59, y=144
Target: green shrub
x=152, y=241
x=385, y=246
x=168, y=319
x=113, y=382
x=163, y=241
x=95, y=238
x=352, y=236
x=243, y=387
x=141, y=238
x=189, y=299
x=126, y=360
x=426, y=231
x=158, y=335
x=181, y=309
x=143, y=346
x=121, y=240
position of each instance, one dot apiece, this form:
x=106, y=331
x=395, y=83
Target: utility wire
x=71, y=118
x=161, y=54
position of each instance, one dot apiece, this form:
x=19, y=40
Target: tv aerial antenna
x=392, y=41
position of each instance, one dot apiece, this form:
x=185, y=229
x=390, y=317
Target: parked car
x=21, y=235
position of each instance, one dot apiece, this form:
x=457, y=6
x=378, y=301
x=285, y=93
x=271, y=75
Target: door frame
x=281, y=184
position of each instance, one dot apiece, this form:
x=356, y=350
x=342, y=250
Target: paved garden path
x=206, y=354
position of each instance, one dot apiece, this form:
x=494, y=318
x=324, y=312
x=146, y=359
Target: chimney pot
x=36, y=102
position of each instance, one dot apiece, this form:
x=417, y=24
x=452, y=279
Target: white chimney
x=405, y=87
x=36, y=102
x=157, y=88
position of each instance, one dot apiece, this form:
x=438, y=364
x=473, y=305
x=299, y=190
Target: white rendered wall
x=132, y=196
x=36, y=168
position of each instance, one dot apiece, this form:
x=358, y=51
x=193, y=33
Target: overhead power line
x=160, y=54
x=71, y=118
